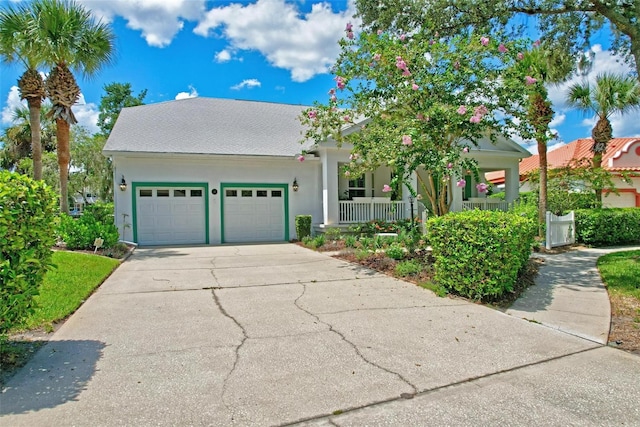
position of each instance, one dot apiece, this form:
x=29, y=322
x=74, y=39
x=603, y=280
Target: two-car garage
x=179, y=213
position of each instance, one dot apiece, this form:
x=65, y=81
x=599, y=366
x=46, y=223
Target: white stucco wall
x=215, y=170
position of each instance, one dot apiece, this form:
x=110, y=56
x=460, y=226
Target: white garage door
x=254, y=215
x=170, y=216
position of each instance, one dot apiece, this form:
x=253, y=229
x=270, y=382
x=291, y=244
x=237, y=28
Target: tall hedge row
x=608, y=227
x=27, y=216
x=478, y=254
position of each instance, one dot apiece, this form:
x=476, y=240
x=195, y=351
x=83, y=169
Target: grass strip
x=621, y=272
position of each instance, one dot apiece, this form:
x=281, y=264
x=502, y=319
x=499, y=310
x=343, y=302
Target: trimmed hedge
x=478, y=254
x=608, y=226
x=303, y=226
x=27, y=217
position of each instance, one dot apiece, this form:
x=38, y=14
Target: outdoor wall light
x=123, y=184
x=295, y=184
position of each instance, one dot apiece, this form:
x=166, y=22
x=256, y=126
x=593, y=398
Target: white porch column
x=512, y=183
x=330, y=208
x=456, y=195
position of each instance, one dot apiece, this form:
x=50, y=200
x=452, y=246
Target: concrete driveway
x=277, y=334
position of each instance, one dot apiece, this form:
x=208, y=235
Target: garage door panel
x=253, y=215
x=170, y=216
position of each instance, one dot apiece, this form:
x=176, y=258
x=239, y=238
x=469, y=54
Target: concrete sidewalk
x=569, y=294
x=277, y=334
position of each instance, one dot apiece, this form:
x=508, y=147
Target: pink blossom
x=400, y=63
x=432, y=42
x=406, y=140
x=420, y=116
x=353, y=156
x=332, y=91
x=350, y=35
x=461, y=183
x=301, y=158
x=475, y=119
x=520, y=56
x=465, y=150
x=333, y=98
x=484, y=41
x=482, y=187
x=403, y=37
x=377, y=57
x=347, y=173
x=386, y=188
x=340, y=81
x=406, y=73
x=450, y=166
x=462, y=109
x=530, y=80
x=379, y=32
x=349, y=27
x=347, y=119
x=536, y=43
x=312, y=114
x=415, y=86
x=456, y=65
x=480, y=110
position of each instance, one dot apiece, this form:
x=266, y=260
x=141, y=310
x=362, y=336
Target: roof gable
x=209, y=126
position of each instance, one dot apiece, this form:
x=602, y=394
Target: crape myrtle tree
x=566, y=26
x=427, y=100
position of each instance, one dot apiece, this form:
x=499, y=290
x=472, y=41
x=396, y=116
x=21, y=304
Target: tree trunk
x=542, y=203
x=601, y=135
x=35, y=105
x=62, y=133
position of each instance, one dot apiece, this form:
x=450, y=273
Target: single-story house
x=212, y=171
x=622, y=156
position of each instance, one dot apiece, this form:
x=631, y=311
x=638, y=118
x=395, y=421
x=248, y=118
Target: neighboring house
x=622, y=156
x=211, y=171
x=79, y=202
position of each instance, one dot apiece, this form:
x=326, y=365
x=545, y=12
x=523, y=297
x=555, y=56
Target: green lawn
x=621, y=272
x=66, y=287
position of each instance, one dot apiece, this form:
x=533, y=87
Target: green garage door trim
x=134, y=191
x=283, y=187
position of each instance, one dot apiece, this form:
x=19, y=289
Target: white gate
x=561, y=230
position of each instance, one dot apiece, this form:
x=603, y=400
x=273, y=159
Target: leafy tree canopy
x=117, y=96
x=567, y=26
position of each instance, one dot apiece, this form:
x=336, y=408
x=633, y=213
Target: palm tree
x=17, y=138
x=19, y=44
x=70, y=39
x=611, y=94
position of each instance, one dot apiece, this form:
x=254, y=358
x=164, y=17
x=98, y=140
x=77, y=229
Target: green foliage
x=408, y=268
x=428, y=100
x=92, y=170
x=96, y=222
x=27, y=215
x=319, y=240
x=116, y=97
x=376, y=226
x=608, y=227
x=350, y=241
x=396, y=251
x=478, y=253
x=333, y=233
x=303, y=226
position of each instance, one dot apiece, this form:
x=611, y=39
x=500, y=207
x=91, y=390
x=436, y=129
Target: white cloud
x=193, y=93
x=248, y=83
x=13, y=102
x=223, y=56
x=86, y=114
x=304, y=44
x=158, y=20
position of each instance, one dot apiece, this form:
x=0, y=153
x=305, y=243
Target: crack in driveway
x=352, y=344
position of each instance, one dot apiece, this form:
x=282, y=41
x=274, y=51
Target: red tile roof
x=562, y=156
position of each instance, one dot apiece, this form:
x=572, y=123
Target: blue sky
x=266, y=50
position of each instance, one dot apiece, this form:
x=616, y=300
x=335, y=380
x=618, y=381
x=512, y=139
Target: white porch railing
x=561, y=230
x=352, y=212
x=485, y=204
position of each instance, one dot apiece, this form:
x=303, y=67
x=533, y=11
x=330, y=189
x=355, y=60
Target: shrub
x=396, y=251
x=319, y=240
x=82, y=232
x=408, y=268
x=27, y=217
x=303, y=226
x=606, y=227
x=478, y=253
x=333, y=233
x=350, y=241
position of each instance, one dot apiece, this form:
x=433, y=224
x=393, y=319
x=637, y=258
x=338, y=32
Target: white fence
x=561, y=230
x=353, y=212
x=485, y=204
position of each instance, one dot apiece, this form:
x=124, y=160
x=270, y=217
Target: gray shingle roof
x=209, y=126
